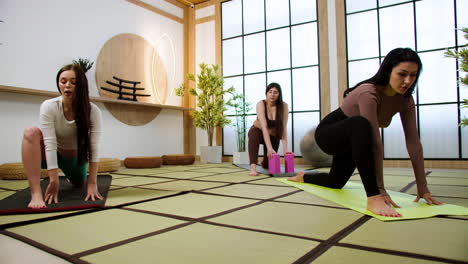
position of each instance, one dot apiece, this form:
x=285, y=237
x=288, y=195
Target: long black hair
x=279, y=108
x=393, y=58
x=81, y=110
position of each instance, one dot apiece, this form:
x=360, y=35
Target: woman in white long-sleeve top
x=67, y=138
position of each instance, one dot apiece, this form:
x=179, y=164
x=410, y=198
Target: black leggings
x=349, y=140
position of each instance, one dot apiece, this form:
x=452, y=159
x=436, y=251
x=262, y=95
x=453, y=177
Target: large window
x=374, y=27
x=268, y=41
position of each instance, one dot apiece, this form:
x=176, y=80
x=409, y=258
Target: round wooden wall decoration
x=130, y=57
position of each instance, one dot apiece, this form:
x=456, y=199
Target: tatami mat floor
x=216, y=213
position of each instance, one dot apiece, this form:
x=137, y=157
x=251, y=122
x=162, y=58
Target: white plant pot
x=240, y=158
x=210, y=154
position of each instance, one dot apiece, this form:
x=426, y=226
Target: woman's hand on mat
x=389, y=201
x=428, y=198
x=93, y=192
x=51, y=193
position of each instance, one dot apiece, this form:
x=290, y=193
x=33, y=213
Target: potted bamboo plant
x=241, y=108
x=210, y=107
x=462, y=56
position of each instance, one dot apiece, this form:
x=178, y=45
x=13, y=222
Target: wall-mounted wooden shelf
x=19, y=90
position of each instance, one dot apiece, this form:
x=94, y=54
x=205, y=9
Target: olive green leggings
x=76, y=174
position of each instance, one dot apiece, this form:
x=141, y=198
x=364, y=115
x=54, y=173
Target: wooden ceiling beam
x=191, y=2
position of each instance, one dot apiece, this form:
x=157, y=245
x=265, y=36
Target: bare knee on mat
x=32, y=134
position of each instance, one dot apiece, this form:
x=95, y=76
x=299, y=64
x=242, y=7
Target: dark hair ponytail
x=82, y=111
x=393, y=58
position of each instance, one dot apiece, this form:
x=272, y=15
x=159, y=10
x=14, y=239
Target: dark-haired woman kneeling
x=351, y=133
x=67, y=138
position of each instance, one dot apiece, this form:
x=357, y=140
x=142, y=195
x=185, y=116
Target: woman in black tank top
x=269, y=128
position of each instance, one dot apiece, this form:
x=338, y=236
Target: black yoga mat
x=69, y=198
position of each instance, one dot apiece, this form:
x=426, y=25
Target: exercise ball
x=312, y=153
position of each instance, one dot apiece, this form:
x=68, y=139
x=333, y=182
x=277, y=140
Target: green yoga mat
x=353, y=196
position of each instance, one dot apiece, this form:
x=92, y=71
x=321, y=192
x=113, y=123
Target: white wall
x=41, y=36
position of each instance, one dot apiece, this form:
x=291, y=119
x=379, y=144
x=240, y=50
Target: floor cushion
x=180, y=159
x=143, y=162
x=15, y=171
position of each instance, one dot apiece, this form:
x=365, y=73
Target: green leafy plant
x=462, y=56
x=210, y=99
x=85, y=64
x=241, y=107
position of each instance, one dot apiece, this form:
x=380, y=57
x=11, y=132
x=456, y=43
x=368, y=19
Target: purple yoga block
x=274, y=164
x=289, y=162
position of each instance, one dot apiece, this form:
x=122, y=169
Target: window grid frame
x=291, y=111
x=418, y=104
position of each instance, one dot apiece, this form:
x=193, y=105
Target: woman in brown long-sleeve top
x=269, y=128
x=351, y=133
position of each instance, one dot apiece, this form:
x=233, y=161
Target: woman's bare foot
x=298, y=178
x=377, y=205
x=37, y=202
x=253, y=170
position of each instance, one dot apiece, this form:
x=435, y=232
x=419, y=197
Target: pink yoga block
x=289, y=162
x=274, y=164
